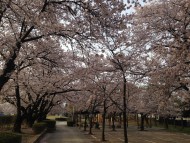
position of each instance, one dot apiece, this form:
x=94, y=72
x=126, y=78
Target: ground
x=76, y=135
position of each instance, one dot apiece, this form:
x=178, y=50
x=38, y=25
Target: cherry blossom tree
x=124, y=65
x=28, y=24
x=105, y=84
x=163, y=32
x=7, y=108
x=40, y=77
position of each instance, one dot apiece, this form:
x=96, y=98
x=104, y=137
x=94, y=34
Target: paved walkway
x=64, y=134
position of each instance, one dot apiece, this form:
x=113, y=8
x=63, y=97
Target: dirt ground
x=151, y=135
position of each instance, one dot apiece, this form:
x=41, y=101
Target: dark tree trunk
x=109, y=120
x=30, y=122
x=174, y=122
x=18, y=121
x=90, y=126
x=42, y=117
x=103, y=122
x=77, y=119
x=85, y=122
x=142, y=122
x=166, y=122
x=125, y=110
x=80, y=121
x=120, y=119
x=150, y=125
x=113, y=121
x=147, y=121
x=17, y=124
x=30, y=118
x=9, y=67
x=182, y=125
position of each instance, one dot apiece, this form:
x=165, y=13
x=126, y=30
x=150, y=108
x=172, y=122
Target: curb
x=39, y=137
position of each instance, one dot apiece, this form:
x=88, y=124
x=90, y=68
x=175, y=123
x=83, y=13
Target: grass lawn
x=178, y=129
x=53, y=117
x=171, y=128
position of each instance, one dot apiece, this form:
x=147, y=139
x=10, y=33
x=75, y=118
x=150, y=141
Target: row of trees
x=152, y=55
x=42, y=44
x=96, y=56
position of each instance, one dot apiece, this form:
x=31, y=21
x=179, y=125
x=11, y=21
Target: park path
x=65, y=134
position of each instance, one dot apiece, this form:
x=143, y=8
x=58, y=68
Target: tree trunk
x=142, y=122
x=85, y=123
x=77, y=120
x=30, y=120
x=103, y=122
x=109, y=120
x=147, y=121
x=42, y=117
x=18, y=121
x=30, y=123
x=90, y=126
x=174, y=121
x=182, y=125
x=80, y=119
x=150, y=122
x=120, y=119
x=17, y=124
x=113, y=122
x=166, y=122
x=9, y=67
x=124, y=110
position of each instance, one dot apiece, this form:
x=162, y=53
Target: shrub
x=39, y=127
x=7, y=119
x=70, y=123
x=50, y=124
x=61, y=119
x=6, y=137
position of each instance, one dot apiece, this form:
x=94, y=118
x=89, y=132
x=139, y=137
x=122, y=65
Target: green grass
x=52, y=117
x=171, y=128
x=179, y=129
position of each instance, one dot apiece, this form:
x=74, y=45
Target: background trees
x=27, y=24
x=52, y=48
x=33, y=36
x=166, y=26
x=162, y=30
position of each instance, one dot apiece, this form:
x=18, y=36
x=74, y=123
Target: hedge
x=50, y=124
x=70, y=122
x=7, y=137
x=61, y=119
x=7, y=119
x=39, y=127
